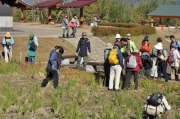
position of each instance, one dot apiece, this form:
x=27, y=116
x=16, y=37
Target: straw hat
x=109, y=46
x=7, y=34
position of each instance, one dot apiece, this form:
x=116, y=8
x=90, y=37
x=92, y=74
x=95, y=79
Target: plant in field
x=54, y=103
x=35, y=103
x=25, y=108
x=91, y=80
x=119, y=98
x=80, y=95
x=139, y=111
x=169, y=89
x=148, y=85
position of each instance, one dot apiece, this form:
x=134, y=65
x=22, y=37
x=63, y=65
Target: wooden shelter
x=165, y=11
x=79, y=4
x=51, y=5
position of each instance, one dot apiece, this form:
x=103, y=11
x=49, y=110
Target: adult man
x=118, y=39
x=161, y=56
x=173, y=40
x=130, y=47
x=83, y=50
x=32, y=47
x=7, y=43
x=65, y=26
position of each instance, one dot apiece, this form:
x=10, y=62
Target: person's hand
x=88, y=54
x=76, y=54
x=52, y=66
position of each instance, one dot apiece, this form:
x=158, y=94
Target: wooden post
x=81, y=17
x=22, y=14
x=160, y=20
x=49, y=15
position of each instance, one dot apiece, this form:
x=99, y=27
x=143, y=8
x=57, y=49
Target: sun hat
x=118, y=36
x=159, y=46
x=129, y=35
x=136, y=50
x=109, y=46
x=174, y=45
x=7, y=34
x=84, y=34
x=31, y=35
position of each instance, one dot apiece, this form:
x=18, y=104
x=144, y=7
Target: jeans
x=162, y=67
x=128, y=78
x=147, y=71
x=73, y=31
x=115, y=69
x=52, y=75
x=31, y=59
x=7, y=54
x=79, y=60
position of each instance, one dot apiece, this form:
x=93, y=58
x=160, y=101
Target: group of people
x=8, y=42
x=74, y=23
x=139, y=62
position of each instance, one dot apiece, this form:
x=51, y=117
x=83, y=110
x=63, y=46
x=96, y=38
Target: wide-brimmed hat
x=174, y=45
x=84, y=34
x=118, y=36
x=109, y=46
x=136, y=50
x=7, y=34
x=129, y=35
x=159, y=46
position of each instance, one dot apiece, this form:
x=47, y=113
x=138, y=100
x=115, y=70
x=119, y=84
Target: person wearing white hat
x=175, y=64
x=118, y=39
x=7, y=43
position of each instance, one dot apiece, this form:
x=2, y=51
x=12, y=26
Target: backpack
x=170, y=60
x=132, y=63
x=113, y=57
x=155, y=99
x=33, y=46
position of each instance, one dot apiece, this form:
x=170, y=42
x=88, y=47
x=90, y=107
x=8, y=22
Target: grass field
x=81, y=94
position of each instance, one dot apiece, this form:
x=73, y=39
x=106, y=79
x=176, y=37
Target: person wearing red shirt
x=145, y=56
x=133, y=71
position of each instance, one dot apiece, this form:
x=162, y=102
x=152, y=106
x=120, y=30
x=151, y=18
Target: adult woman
x=53, y=66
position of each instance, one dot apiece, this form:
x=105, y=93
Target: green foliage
x=10, y=68
x=107, y=31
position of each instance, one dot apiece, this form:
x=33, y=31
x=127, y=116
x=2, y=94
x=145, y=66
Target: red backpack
x=170, y=60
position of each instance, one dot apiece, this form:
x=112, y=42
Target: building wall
x=6, y=18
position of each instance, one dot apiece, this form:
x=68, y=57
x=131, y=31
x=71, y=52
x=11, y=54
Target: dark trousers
x=107, y=72
x=128, y=78
x=147, y=71
x=161, y=69
x=73, y=31
x=52, y=75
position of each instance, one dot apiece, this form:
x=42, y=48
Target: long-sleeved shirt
x=175, y=57
x=84, y=47
x=53, y=60
x=8, y=42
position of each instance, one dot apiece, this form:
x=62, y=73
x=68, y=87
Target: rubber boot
x=63, y=36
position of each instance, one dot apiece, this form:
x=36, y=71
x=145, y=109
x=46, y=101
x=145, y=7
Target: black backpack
x=155, y=99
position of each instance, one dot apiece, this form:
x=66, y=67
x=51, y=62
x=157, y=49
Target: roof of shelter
x=78, y=3
x=48, y=3
x=166, y=11
x=18, y=3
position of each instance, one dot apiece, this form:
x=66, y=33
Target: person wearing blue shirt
x=53, y=66
x=7, y=43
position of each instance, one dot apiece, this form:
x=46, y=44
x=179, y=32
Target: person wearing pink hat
x=7, y=43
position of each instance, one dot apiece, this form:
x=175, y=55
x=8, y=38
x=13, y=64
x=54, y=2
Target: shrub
x=123, y=30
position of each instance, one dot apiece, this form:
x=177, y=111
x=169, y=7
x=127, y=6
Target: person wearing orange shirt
x=145, y=56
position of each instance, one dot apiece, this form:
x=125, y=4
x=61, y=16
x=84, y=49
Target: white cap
x=118, y=36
